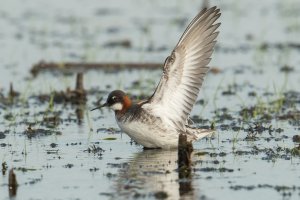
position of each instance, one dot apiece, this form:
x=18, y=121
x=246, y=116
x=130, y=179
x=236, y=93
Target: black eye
x=114, y=98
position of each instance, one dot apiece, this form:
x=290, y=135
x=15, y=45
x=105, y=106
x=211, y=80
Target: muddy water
x=252, y=99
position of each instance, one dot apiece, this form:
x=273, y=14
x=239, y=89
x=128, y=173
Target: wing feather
x=184, y=70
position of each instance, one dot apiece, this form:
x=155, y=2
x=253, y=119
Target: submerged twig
x=12, y=93
x=4, y=168
x=12, y=183
x=78, y=96
x=79, y=81
x=75, y=67
x=185, y=149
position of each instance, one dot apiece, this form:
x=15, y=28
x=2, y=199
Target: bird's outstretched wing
x=185, y=69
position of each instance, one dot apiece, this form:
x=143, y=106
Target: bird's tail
x=197, y=133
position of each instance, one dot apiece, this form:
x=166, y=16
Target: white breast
x=150, y=135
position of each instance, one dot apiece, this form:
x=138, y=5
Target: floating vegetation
x=296, y=138
x=109, y=138
x=296, y=151
x=95, y=149
x=32, y=132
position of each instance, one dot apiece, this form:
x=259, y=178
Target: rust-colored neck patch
x=126, y=103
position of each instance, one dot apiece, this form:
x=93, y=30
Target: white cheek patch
x=117, y=106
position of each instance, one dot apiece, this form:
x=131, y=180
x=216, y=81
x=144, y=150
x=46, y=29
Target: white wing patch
x=184, y=70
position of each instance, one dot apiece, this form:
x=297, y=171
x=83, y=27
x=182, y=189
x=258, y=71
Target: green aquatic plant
x=235, y=139
x=50, y=117
x=51, y=103
x=260, y=54
x=88, y=120
x=264, y=108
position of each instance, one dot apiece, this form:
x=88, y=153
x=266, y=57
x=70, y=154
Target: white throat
x=117, y=106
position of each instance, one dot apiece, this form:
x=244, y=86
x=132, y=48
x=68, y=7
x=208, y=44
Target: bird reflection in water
x=153, y=173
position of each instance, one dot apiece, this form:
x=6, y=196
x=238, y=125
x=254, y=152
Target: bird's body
x=158, y=121
x=153, y=130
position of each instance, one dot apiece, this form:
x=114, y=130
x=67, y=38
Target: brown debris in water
x=296, y=138
x=32, y=132
x=287, y=69
x=76, y=96
x=121, y=43
x=12, y=93
x=79, y=81
x=215, y=70
x=11, y=96
x=4, y=168
x=161, y=195
x=296, y=150
x=51, y=121
x=75, y=67
x=12, y=183
x=79, y=114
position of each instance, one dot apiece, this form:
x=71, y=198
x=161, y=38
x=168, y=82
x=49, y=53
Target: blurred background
x=251, y=96
x=253, y=33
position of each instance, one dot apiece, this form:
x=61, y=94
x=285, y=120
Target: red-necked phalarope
x=158, y=121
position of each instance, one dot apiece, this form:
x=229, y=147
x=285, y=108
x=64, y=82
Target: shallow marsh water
x=253, y=99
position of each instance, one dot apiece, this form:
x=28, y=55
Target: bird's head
x=117, y=100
